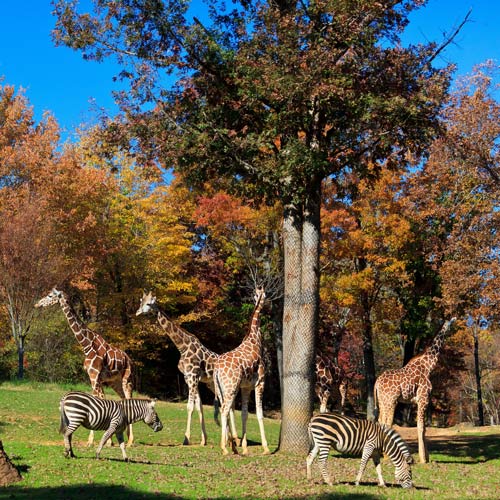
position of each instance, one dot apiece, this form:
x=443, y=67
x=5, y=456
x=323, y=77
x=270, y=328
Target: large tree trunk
x=477, y=370
x=8, y=473
x=301, y=238
x=369, y=362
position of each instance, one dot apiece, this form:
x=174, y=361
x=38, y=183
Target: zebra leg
x=367, y=453
x=68, y=448
x=124, y=391
x=121, y=442
x=107, y=435
x=310, y=460
x=323, y=455
x=259, y=391
x=97, y=391
x=378, y=468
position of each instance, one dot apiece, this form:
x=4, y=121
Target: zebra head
x=400, y=455
x=151, y=417
x=402, y=472
x=51, y=299
x=148, y=303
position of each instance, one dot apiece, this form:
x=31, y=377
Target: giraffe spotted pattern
x=105, y=364
x=411, y=384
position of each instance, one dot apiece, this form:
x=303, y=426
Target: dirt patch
x=439, y=433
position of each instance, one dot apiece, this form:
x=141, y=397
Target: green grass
x=462, y=465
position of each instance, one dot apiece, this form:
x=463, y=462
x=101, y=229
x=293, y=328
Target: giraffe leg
x=232, y=422
x=190, y=408
x=323, y=401
x=343, y=394
x=96, y=391
x=259, y=391
x=199, y=408
x=124, y=391
x=423, y=453
x=245, y=396
x=127, y=390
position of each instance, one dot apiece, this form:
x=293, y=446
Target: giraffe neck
x=179, y=337
x=435, y=348
x=83, y=335
x=254, y=334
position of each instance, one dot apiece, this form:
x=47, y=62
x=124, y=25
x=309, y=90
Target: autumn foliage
x=341, y=173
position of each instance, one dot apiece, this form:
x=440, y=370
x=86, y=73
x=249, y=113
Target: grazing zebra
x=79, y=408
x=358, y=437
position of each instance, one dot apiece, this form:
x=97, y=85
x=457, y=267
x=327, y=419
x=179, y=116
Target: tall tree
x=456, y=200
x=49, y=212
x=272, y=97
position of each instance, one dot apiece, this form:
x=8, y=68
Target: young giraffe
x=330, y=382
x=330, y=378
x=105, y=365
x=411, y=384
x=196, y=364
x=242, y=368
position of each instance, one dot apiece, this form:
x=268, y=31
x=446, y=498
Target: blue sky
x=57, y=79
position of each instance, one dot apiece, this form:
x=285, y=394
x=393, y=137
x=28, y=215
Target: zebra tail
x=311, y=438
x=64, y=420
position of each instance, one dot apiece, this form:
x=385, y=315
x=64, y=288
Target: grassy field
x=463, y=465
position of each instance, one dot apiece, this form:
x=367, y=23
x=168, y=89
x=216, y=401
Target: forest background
x=401, y=250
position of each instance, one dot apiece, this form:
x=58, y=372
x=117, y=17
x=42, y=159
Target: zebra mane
x=396, y=438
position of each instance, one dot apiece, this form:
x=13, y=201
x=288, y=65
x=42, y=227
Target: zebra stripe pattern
x=82, y=409
x=358, y=437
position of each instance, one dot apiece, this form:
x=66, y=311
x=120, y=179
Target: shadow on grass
x=91, y=492
x=474, y=449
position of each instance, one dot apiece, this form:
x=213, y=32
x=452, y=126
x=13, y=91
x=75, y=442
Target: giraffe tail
x=216, y=411
x=376, y=411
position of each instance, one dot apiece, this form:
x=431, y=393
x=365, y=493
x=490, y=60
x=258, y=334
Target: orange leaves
x=223, y=211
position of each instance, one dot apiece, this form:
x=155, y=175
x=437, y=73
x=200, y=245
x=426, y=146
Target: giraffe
x=330, y=378
x=411, y=384
x=242, y=368
x=105, y=365
x=196, y=364
x=330, y=382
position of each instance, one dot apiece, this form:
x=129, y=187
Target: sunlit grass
x=160, y=467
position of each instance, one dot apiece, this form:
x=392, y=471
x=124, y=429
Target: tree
x=364, y=240
x=456, y=197
x=49, y=205
x=273, y=97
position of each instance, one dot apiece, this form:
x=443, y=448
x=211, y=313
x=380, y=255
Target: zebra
x=79, y=408
x=358, y=437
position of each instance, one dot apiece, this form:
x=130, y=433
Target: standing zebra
x=358, y=437
x=79, y=408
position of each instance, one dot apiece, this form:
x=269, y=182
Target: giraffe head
x=147, y=305
x=50, y=299
x=259, y=295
